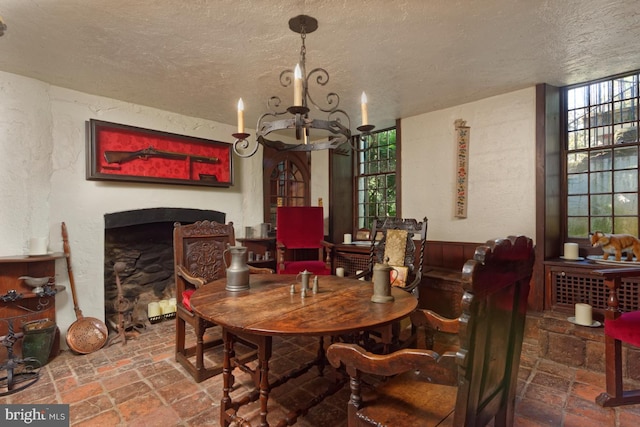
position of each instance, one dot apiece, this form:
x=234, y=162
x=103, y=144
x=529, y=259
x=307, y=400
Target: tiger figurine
x=616, y=244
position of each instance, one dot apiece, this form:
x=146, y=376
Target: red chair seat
x=625, y=328
x=186, y=298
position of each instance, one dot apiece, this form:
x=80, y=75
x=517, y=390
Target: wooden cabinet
x=18, y=303
x=571, y=282
x=260, y=252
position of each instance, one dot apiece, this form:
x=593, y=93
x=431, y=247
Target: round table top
x=342, y=305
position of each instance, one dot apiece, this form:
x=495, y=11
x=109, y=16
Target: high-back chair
x=469, y=387
x=198, y=251
x=300, y=241
x=618, y=328
x=393, y=238
x=392, y=241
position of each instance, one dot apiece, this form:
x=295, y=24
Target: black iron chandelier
x=305, y=133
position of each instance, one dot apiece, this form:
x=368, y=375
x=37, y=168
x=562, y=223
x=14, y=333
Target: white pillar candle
x=153, y=309
x=164, y=306
x=340, y=271
x=358, y=272
x=347, y=238
x=37, y=246
x=571, y=251
x=583, y=314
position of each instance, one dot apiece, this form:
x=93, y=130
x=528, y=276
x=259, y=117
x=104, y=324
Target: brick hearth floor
x=140, y=384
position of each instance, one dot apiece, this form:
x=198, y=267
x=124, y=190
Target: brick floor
x=140, y=384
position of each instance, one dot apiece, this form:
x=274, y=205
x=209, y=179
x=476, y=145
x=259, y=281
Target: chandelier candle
x=363, y=109
x=240, y=116
x=297, y=86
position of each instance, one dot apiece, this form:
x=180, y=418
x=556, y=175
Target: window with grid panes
x=601, y=156
x=376, y=177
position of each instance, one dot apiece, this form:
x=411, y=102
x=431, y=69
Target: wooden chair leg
x=615, y=394
x=199, y=330
x=180, y=335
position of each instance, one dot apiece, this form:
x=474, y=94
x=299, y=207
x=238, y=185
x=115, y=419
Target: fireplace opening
x=142, y=240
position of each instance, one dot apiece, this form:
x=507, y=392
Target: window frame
x=366, y=221
x=602, y=124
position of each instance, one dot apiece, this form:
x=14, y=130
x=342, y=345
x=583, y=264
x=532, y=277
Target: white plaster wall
x=25, y=162
x=50, y=122
x=501, y=169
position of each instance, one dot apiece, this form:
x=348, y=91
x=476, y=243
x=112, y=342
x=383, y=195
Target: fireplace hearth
x=143, y=240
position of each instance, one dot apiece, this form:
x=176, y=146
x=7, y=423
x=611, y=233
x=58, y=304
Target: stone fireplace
x=143, y=240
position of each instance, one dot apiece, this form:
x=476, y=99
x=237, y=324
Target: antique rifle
x=128, y=156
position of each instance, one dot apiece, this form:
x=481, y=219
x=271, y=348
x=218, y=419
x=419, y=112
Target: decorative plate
x=598, y=259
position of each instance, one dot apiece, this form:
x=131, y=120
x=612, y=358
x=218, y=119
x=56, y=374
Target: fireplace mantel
x=152, y=215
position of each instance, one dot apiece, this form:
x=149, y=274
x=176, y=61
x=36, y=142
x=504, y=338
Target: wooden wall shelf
x=261, y=246
x=29, y=306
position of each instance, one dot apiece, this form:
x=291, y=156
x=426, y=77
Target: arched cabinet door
x=286, y=180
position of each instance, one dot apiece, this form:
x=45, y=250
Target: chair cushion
x=186, y=298
x=625, y=328
x=295, y=267
x=395, y=247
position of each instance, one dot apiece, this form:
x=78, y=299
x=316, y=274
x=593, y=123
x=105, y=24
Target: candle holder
x=366, y=129
x=242, y=147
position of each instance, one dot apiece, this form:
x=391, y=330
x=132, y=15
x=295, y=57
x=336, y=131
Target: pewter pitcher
x=238, y=271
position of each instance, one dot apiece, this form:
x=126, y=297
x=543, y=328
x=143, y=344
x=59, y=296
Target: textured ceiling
x=197, y=57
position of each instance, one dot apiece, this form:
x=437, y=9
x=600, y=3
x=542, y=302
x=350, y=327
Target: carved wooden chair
x=385, y=234
x=300, y=241
x=198, y=259
x=393, y=238
x=618, y=328
x=469, y=387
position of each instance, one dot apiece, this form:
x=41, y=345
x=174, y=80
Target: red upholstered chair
x=300, y=241
x=618, y=328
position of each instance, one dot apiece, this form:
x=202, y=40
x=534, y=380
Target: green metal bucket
x=38, y=340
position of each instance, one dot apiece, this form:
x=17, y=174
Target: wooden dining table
x=269, y=308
